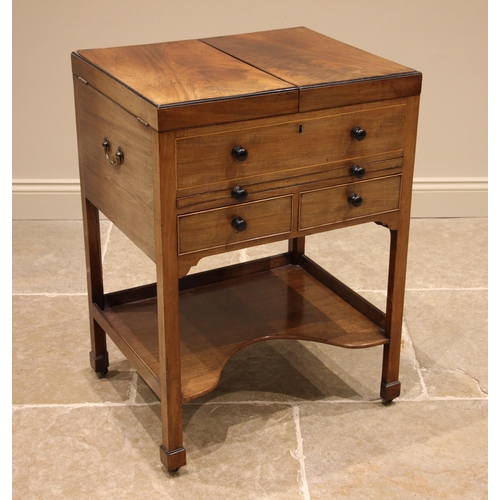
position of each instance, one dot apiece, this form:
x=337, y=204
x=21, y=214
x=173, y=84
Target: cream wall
x=444, y=39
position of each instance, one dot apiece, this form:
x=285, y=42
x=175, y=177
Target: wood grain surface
x=216, y=320
x=124, y=193
x=316, y=58
x=315, y=63
x=324, y=206
x=174, y=85
x=192, y=75
x=206, y=159
x=212, y=228
x=290, y=97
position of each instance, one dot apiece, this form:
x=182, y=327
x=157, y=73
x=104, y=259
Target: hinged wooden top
x=183, y=84
x=191, y=83
x=328, y=73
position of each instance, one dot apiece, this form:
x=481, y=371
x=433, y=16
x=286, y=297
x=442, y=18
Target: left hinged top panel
x=176, y=85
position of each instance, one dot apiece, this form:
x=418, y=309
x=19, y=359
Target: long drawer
x=337, y=173
x=226, y=226
x=348, y=201
x=205, y=160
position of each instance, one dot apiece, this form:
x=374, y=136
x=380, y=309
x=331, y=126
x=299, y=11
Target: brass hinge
x=146, y=124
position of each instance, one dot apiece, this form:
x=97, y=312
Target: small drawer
x=231, y=225
x=349, y=201
x=252, y=153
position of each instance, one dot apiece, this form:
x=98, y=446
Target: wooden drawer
x=329, y=205
x=336, y=173
x=214, y=228
x=204, y=160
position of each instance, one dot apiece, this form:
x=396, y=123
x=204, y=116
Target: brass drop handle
x=119, y=155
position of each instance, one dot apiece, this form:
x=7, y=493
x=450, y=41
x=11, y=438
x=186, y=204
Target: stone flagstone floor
x=289, y=420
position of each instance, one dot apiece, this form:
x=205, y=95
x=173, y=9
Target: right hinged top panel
x=327, y=72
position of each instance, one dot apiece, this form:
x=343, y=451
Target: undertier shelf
x=219, y=318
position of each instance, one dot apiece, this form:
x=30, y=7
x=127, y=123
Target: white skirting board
x=432, y=197
x=45, y=199
x=450, y=197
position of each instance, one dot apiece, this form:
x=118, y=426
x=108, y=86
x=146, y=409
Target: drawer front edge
x=331, y=205
x=214, y=229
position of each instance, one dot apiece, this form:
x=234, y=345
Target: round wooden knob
x=357, y=171
x=239, y=224
x=358, y=133
x=238, y=193
x=355, y=200
x=240, y=153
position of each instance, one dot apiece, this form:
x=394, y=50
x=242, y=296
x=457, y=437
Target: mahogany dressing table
x=198, y=147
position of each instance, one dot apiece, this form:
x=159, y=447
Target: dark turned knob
x=238, y=193
x=355, y=200
x=358, y=133
x=240, y=153
x=357, y=171
x=239, y=224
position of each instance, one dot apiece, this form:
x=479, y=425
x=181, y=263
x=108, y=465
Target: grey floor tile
x=50, y=361
x=124, y=265
x=48, y=256
x=236, y=451
x=408, y=450
x=86, y=452
x=449, y=332
x=76, y=435
x=357, y=255
x=443, y=253
x=448, y=253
